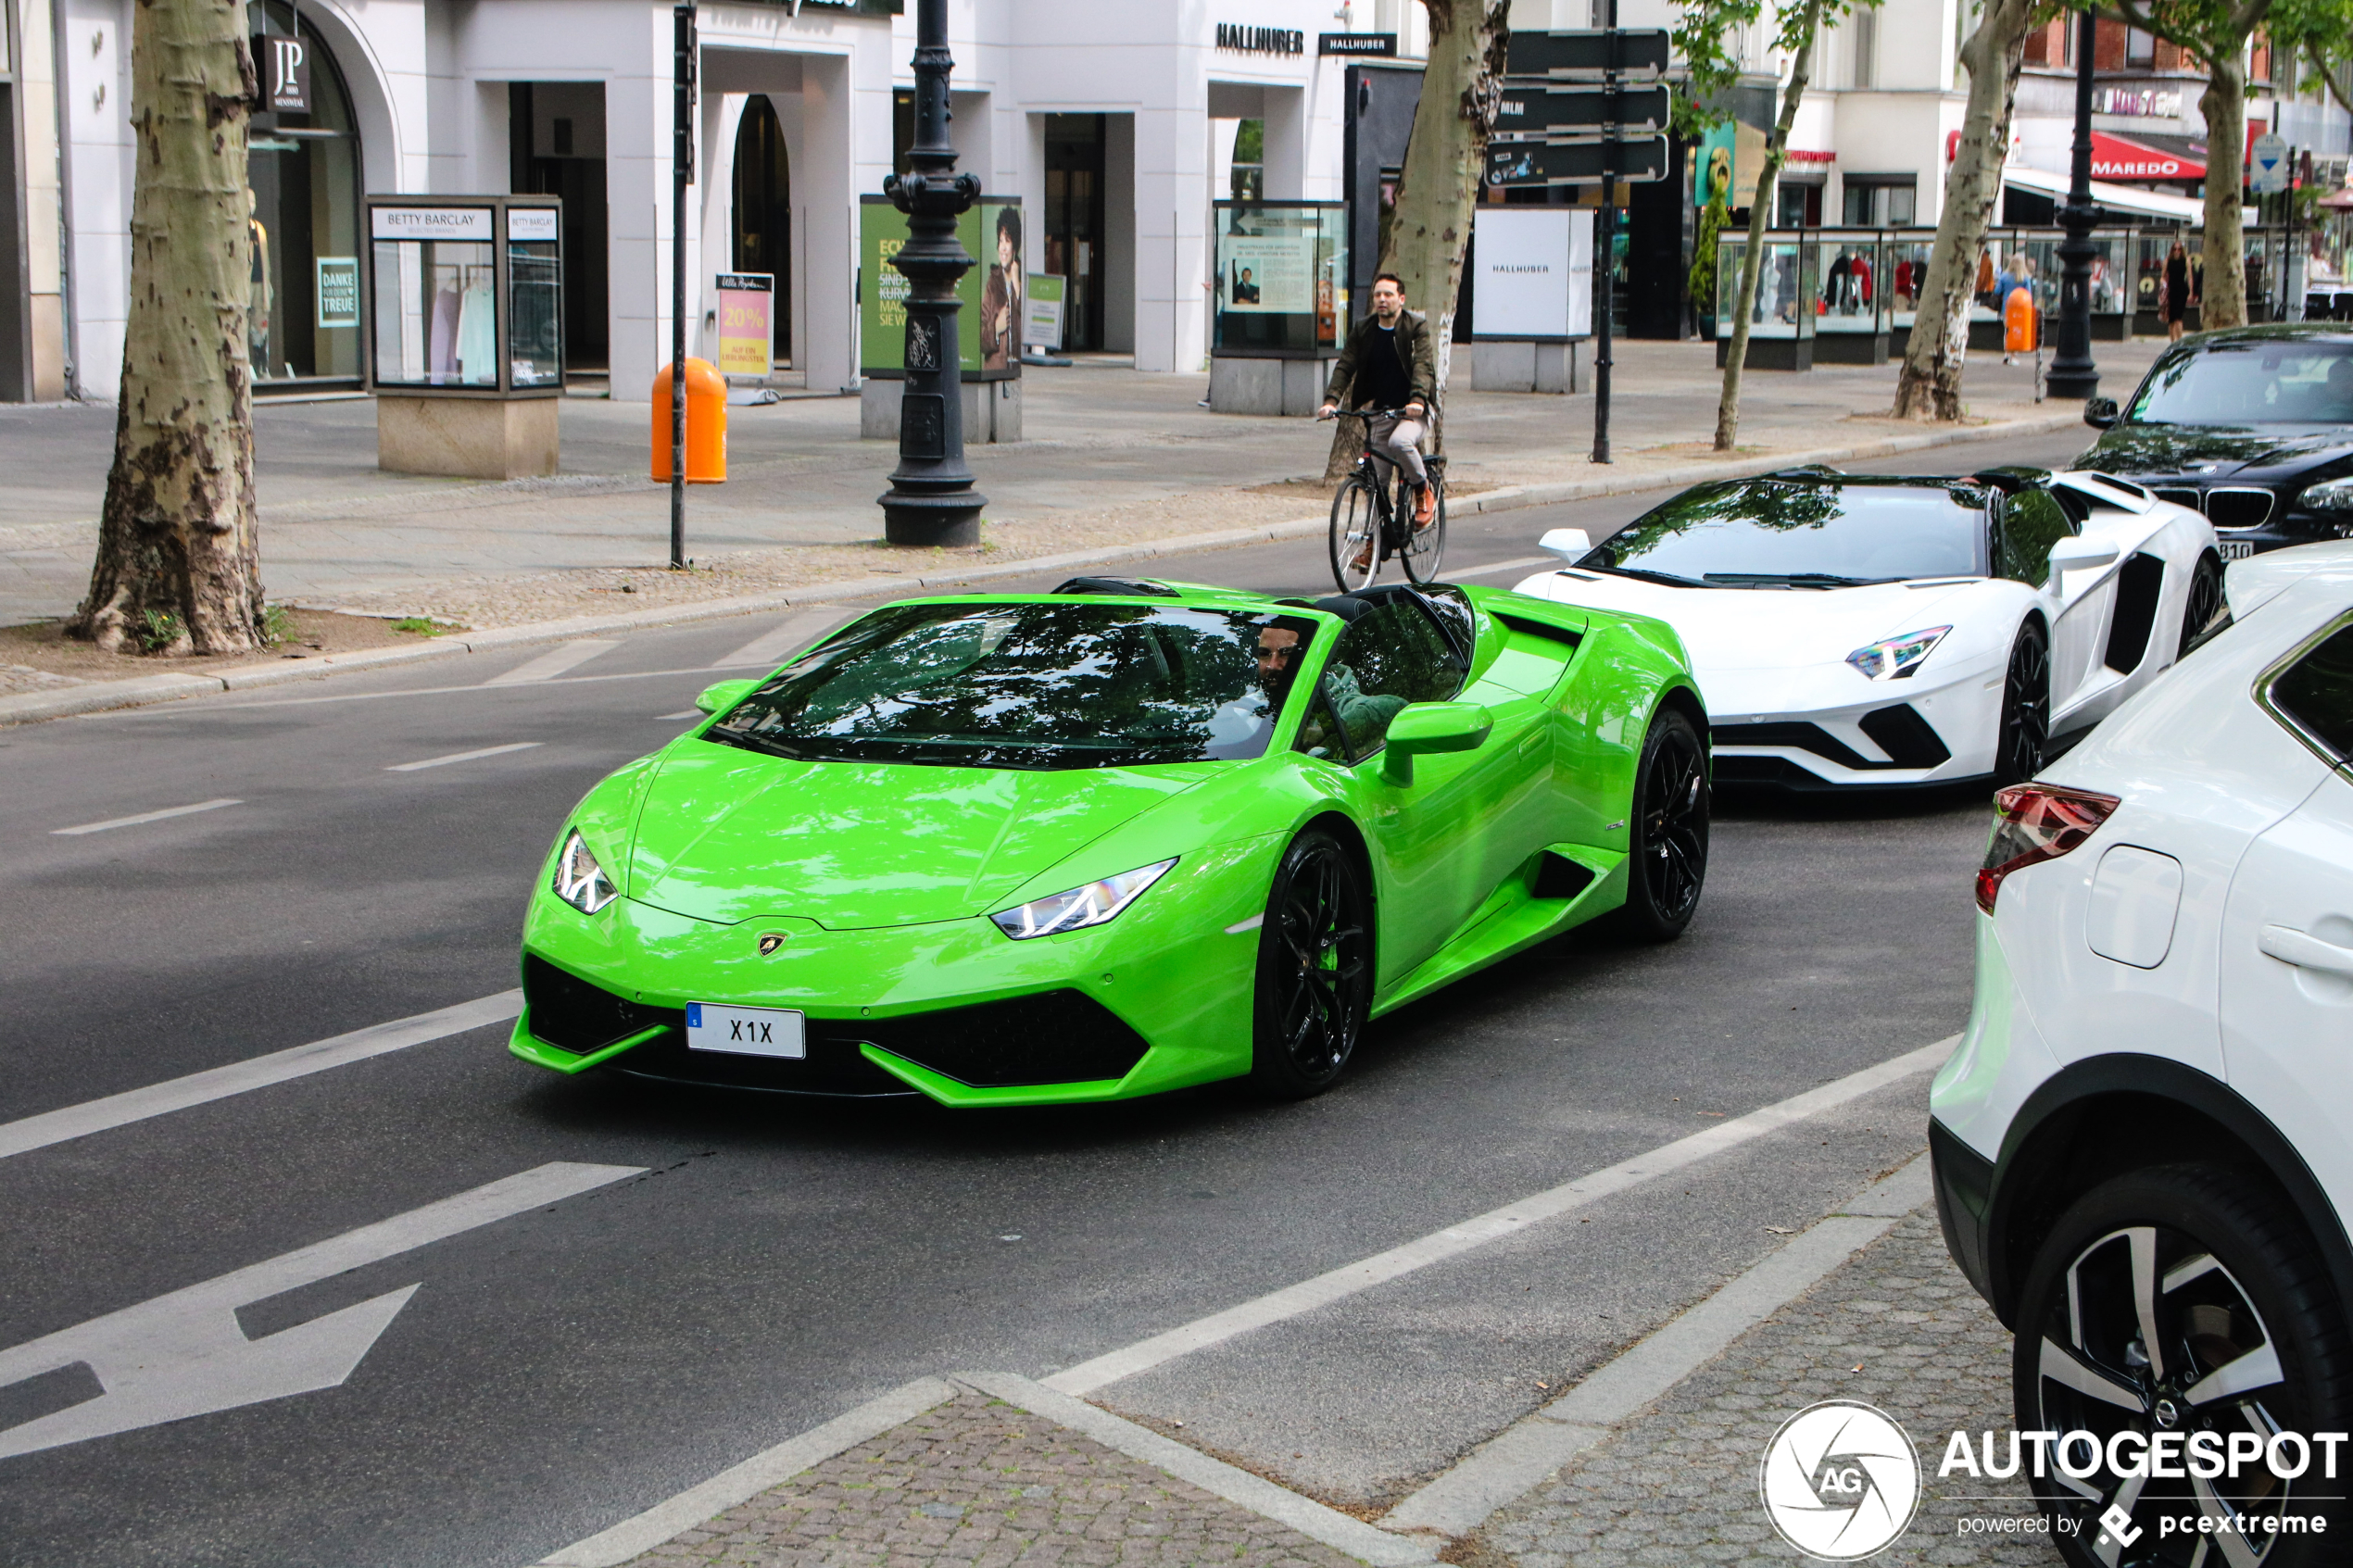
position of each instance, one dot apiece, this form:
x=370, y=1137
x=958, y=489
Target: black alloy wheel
x=2183, y=1300
x=1355, y=535
x=1424, y=547
x=1314, y=969
x=2206, y=612
x=1668, y=837
x=2026, y=708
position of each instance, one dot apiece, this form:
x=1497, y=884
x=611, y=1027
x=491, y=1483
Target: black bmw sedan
x=2252, y=426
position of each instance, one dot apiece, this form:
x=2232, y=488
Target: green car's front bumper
x=1157, y=999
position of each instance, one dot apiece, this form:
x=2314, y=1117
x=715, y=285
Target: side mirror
x=1432, y=727
x=2099, y=412
x=1570, y=544
x=718, y=698
x=2079, y=554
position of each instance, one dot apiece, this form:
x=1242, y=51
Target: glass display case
x=1850, y=311
x=1281, y=283
x=465, y=296
x=1904, y=259
x=1781, y=322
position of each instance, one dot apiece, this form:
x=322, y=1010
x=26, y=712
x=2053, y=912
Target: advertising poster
x=988, y=339
x=338, y=290
x=747, y=324
x=1271, y=272
x=1532, y=272
x=1042, y=326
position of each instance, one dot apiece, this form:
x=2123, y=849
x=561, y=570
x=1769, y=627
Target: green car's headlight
x=1081, y=907
x=580, y=881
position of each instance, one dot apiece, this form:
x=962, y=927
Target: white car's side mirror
x=2079, y=554
x=1569, y=544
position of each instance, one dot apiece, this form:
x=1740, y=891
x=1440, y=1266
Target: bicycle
x=1362, y=512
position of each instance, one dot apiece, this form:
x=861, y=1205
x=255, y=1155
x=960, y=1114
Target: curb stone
x=142, y=691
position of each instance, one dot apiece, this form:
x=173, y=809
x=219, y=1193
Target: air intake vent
x=2238, y=507
x=2180, y=494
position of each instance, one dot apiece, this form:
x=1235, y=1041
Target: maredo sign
x=2113, y=158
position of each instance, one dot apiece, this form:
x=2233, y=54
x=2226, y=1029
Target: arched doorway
x=302, y=188
x=764, y=208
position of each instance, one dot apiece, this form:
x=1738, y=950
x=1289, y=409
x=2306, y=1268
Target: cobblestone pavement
x=1896, y=1326
x=978, y=1482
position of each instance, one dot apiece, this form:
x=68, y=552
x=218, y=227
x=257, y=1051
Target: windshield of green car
x=1064, y=684
x=1801, y=534
x=2278, y=382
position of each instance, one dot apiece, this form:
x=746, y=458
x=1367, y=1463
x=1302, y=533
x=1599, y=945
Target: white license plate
x=746, y=1031
x=2235, y=549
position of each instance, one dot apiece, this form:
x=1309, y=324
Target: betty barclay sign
x=1261, y=39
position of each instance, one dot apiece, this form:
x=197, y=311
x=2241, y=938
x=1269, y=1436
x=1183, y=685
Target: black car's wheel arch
x=2108, y=1115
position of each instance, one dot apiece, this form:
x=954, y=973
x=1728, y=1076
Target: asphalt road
x=771, y=1263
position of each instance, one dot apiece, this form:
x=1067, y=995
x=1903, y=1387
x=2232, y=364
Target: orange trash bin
x=706, y=424
x=2017, y=325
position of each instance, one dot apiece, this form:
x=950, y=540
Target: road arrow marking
x=186, y=1354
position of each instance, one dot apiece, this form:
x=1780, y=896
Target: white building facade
x=1113, y=121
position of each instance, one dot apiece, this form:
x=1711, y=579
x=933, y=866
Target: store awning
x=2115, y=198
x=2146, y=158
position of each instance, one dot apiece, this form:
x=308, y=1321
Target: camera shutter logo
x=1839, y=1481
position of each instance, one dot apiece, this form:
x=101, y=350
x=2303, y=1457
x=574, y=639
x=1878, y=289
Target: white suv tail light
x=2034, y=822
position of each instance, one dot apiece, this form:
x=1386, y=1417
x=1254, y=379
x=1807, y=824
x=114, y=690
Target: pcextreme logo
x=1840, y=1480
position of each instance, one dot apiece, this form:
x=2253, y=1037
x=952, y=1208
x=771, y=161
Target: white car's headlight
x=2329, y=495
x=580, y=881
x=1081, y=907
x=1891, y=659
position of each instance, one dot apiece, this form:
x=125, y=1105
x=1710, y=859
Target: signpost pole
x=682, y=159
x=1605, y=239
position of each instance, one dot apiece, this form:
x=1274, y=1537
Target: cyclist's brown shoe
x=1364, y=561
x=1425, y=506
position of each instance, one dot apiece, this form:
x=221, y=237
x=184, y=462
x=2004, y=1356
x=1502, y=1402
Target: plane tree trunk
x=1929, y=386
x=178, y=567
x=1760, y=215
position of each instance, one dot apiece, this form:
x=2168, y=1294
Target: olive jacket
x=1413, y=347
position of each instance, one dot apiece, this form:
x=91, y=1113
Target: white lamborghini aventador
x=1851, y=631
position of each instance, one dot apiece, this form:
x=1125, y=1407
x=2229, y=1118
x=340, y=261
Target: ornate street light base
x=2072, y=373
x=931, y=500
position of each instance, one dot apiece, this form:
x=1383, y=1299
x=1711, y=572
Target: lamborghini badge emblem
x=770, y=941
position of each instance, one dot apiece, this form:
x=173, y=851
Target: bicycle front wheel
x=1425, y=548
x=1355, y=535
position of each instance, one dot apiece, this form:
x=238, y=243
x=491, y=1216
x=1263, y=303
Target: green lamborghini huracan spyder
x=1114, y=840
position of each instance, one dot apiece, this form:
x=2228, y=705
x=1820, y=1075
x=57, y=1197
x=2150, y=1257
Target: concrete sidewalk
x=1115, y=458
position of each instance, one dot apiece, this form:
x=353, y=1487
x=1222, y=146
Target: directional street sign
x=1546, y=110
x=186, y=1353
x=2266, y=166
x=1587, y=52
x=1579, y=162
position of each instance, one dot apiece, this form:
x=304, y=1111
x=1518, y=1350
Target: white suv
x=2144, y=1147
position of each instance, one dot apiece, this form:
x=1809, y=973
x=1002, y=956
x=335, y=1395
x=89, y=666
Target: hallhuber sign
x=1261, y=39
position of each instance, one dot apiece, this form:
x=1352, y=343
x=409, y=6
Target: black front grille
x=2181, y=496
x=832, y=1067
x=1909, y=739
x=1055, y=1037
x=2238, y=507
x=571, y=1014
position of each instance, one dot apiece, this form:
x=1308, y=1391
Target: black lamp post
x=2072, y=373
x=931, y=500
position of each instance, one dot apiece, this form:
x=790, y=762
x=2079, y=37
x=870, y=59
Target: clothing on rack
x=477, y=335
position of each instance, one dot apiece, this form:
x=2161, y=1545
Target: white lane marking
x=72, y=1122
x=683, y=713
x=147, y=817
x=639, y=1533
x=187, y=1354
x=1511, y=1220
x=767, y=649
x=1252, y=923
x=462, y=757
x=554, y=662
x=227, y=706
x=1518, y=564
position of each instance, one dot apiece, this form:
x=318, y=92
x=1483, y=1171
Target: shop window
x=1879, y=203
x=302, y=187
x=2140, y=47
x=764, y=208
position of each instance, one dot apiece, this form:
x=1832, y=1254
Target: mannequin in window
x=259, y=297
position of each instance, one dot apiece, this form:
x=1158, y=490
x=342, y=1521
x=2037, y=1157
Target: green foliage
x=418, y=625
x=158, y=629
x=1712, y=218
x=1709, y=33
x=277, y=625
x=1249, y=141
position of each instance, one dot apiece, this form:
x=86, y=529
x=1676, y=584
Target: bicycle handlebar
x=1364, y=413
